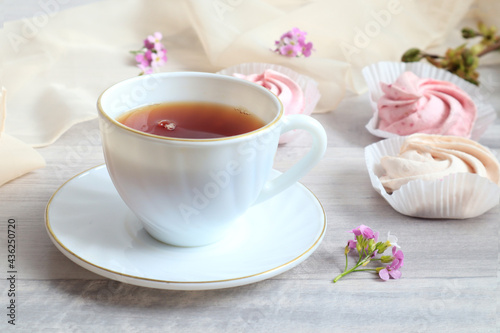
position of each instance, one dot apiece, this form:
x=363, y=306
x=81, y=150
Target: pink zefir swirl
x=416, y=105
x=287, y=90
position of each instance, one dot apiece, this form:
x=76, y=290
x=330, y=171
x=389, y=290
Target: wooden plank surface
x=449, y=278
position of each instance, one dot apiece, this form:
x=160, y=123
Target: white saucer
x=89, y=223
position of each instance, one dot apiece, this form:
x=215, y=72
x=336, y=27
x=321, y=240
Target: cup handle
x=302, y=167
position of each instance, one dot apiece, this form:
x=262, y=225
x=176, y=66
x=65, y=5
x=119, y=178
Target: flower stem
x=432, y=56
x=365, y=269
x=359, y=263
x=490, y=48
x=137, y=52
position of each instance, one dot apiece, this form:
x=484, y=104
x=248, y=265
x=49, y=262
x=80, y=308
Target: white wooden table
x=450, y=279
x=449, y=282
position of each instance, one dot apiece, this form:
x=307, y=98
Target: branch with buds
x=462, y=61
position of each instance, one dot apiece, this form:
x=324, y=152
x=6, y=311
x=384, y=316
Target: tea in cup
x=189, y=153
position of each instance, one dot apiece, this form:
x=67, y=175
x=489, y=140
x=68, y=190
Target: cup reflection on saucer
x=190, y=191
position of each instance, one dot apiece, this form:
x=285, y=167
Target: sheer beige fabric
x=16, y=157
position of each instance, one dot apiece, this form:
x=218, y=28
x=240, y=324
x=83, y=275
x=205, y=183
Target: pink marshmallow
x=415, y=105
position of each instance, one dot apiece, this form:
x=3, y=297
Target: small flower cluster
x=366, y=243
x=152, y=55
x=293, y=44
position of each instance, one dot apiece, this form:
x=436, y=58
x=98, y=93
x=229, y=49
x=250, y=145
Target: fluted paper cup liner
x=457, y=196
x=388, y=72
x=308, y=85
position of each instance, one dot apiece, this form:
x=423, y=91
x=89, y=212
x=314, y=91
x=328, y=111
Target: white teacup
x=190, y=192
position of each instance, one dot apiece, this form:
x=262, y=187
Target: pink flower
x=141, y=59
x=294, y=35
x=365, y=231
x=155, y=37
x=299, y=33
x=148, y=45
x=388, y=272
x=159, y=47
x=154, y=41
x=293, y=44
x=351, y=243
x=290, y=50
x=145, y=69
x=152, y=55
x=285, y=37
x=158, y=59
x=393, y=269
x=398, y=255
x=307, y=49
